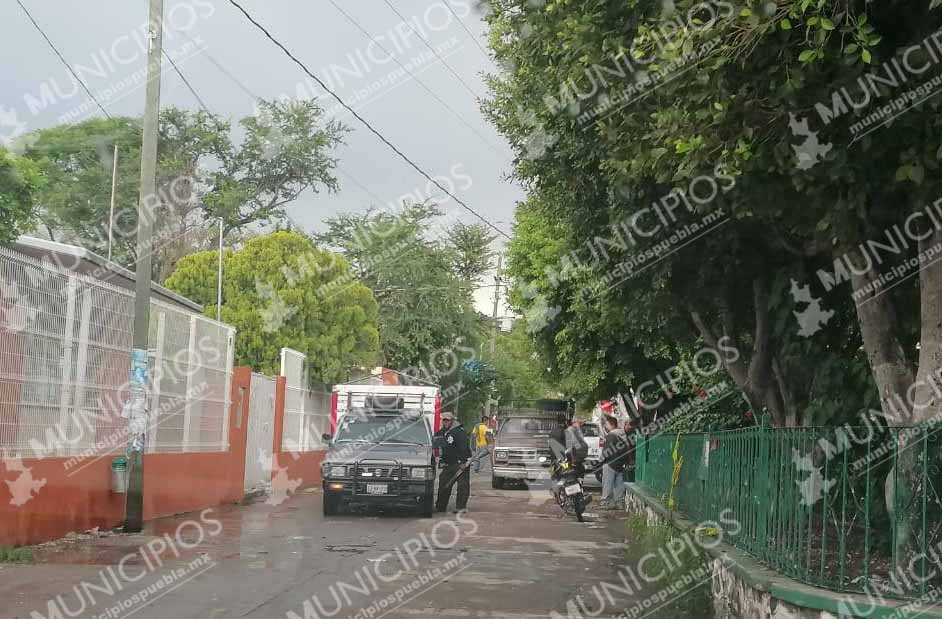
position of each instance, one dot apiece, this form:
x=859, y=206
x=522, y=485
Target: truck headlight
x=338, y=471
x=419, y=473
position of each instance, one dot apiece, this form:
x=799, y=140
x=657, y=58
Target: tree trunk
x=894, y=376
x=753, y=374
x=927, y=392
x=891, y=369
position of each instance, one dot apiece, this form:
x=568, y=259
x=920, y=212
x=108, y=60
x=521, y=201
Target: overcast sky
x=106, y=38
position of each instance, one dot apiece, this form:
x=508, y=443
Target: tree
x=616, y=102
x=277, y=293
x=425, y=303
x=202, y=175
x=19, y=182
x=718, y=121
x=471, y=244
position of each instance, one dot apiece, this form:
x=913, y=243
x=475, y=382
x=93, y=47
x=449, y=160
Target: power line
x=460, y=118
x=244, y=88
x=67, y=65
x=360, y=118
x=471, y=35
x=432, y=49
x=186, y=82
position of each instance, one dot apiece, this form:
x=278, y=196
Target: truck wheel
x=427, y=506
x=497, y=483
x=331, y=504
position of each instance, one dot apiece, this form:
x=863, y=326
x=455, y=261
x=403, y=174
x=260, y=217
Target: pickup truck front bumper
x=397, y=493
x=520, y=472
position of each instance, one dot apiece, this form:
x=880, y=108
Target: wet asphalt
x=514, y=555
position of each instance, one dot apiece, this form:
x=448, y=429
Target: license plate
x=573, y=489
x=377, y=488
x=593, y=451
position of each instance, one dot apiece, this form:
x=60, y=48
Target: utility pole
x=114, y=178
x=496, y=301
x=491, y=399
x=137, y=405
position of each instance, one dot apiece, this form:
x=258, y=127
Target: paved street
x=514, y=555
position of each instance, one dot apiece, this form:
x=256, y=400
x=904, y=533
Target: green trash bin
x=119, y=475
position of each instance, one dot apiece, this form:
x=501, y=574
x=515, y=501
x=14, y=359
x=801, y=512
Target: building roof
x=80, y=260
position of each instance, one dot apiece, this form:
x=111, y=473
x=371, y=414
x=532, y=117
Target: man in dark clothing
x=455, y=452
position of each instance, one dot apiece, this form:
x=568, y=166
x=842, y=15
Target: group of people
x=617, y=459
x=459, y=453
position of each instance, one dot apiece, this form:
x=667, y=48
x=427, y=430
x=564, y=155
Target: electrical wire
x=257, y=98
x=471, y=35
x=454, y=113
x=67, y=65
x=432, y=49
x=186, y=82
x=362, y=120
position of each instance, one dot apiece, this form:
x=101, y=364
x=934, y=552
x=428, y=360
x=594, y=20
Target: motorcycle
x=566, y=487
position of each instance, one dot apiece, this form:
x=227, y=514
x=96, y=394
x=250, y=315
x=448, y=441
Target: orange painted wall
x=303, y=466
x=80, y=498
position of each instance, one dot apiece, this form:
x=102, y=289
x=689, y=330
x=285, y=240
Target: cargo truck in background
x=521, y=443
x=413, y=399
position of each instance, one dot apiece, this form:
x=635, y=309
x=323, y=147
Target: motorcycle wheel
x=578, y=505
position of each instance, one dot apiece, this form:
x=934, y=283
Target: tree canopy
x=19, y=183
x=693, y=168
x=277, y=293
x=422, y=285
x=202, y=175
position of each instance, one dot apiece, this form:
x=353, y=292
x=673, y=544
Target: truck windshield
x=385, y=429
x=529, y=427
x=590, y=430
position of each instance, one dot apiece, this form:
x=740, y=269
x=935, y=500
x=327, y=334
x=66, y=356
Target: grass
x=15, y=555
x=654, y=540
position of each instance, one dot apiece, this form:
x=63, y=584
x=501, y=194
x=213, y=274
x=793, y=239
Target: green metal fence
x=850, y=509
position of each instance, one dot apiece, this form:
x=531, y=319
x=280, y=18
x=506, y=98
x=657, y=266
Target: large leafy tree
x=771, y=94
x=277, y=293
x=736, y=107
x=202, y=175
x=471, y=245
x=19, y=183
x=422, y=285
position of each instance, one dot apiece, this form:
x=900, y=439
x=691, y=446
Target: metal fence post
x=763, y=488
x=153, y=421
x=67, y=363
x=191, y=368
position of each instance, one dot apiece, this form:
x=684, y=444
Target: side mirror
x=326, y=437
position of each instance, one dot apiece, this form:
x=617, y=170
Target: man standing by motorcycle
x=455, y=452
x=614, y=461
x=576, y=447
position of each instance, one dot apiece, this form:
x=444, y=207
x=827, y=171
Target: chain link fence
x=307, y=410
x=65, y=346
